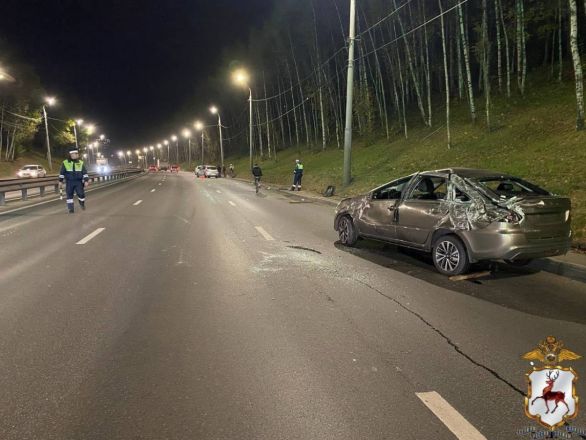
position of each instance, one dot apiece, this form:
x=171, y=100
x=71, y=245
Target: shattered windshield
x=509, y=187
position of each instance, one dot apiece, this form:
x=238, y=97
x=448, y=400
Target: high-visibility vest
x=71, y=166
x=299, y=167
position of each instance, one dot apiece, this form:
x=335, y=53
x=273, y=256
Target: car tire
x=347, y=232
x=450, y=256
x=519, y=263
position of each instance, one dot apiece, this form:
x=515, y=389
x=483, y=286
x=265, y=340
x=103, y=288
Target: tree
x=577, y=65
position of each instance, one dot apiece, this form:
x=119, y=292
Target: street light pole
x=215, y=110
x=202, y=142
x=48, y=142
x=349, y=97
x=75, y=133
x=250, y=123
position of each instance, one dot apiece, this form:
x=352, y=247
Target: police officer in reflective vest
x=76, y=178
x=297, y=175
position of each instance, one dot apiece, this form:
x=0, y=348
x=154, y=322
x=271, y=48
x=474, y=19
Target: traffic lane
x=33, y=235
x=190, y=352
x=469, y=326
x=407, y=341
x=54, y=324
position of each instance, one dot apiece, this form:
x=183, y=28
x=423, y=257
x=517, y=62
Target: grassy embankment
x=534, y=138
x=9, y=169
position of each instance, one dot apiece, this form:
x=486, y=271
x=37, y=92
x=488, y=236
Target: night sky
x=132, y=66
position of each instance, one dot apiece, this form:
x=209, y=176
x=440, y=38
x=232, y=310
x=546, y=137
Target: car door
x=422, y=209
x=377, y=218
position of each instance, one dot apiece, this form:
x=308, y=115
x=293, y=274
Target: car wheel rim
x=344, y=231
x=447, y=256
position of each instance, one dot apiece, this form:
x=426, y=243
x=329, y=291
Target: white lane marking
x=232, y=203
x=92, y=235
x=218, y=191
x=153, y=190
x=453, y=420
x=264, y=233
x=160, y=184
x=138, y=202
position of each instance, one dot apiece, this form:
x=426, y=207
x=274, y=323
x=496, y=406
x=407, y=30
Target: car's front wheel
x=347, y=232
x=450, y=256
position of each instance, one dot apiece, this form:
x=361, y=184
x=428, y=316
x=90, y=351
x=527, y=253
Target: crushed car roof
x=472, y=173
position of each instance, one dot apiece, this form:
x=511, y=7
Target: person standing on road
x=231, y=170
x=76, y=178
x=257, y=173
x=297, y=176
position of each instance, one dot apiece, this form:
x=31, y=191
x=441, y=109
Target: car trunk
x=545, y=217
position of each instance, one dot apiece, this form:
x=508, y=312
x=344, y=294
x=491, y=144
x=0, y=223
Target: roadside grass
x=532, y=137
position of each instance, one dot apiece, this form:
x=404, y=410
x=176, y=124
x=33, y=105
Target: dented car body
x=461, y=216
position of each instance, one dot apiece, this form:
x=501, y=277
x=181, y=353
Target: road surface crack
x=443, y=336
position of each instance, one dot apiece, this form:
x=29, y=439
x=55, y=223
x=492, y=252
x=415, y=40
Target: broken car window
x=391, y=191
x=509, y=187
x=429, y=188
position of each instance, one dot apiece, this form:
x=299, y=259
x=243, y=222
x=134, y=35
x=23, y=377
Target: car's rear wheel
x=347, y=232
x=450, y=256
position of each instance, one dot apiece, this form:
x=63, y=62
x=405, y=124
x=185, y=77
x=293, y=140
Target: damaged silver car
x=461, y=216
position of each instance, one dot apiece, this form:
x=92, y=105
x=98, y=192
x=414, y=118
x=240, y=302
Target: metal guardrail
x=42, y=183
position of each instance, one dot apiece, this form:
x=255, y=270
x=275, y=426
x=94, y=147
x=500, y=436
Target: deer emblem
x=549, y=395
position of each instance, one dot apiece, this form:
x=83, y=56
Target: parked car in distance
x=31, y=171
x=460, y=216
x=163, y=166
x=206, y=171
x=152, y=169
x=175, y=168
x=211, y=171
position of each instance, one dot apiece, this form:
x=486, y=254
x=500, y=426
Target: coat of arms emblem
x=551, y=397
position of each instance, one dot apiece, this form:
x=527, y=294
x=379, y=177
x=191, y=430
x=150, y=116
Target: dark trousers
x=297, y=179
x=74, y=187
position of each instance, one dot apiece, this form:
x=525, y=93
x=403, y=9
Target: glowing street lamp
x=90, y=128
x=214, y=110
x=241, y=78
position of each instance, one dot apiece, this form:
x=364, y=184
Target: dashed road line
x=264, y=233
x=218, y=191
x=160, y=183
x=90, y=236
x=453, y=420
x=232, y=203
x=153, y=190
x=138, y=202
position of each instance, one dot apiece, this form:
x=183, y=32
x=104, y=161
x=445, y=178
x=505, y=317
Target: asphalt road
x=195, y=309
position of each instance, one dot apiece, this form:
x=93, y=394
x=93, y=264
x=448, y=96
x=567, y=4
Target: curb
x=561, y=268
x=295, y=194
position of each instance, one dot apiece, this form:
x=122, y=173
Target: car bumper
x=506, y=244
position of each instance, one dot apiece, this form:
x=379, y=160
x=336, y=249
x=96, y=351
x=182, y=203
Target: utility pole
x=202, y=140
x=48, y=143
x=250, y=119
x=349, y=97
x=221, y=143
